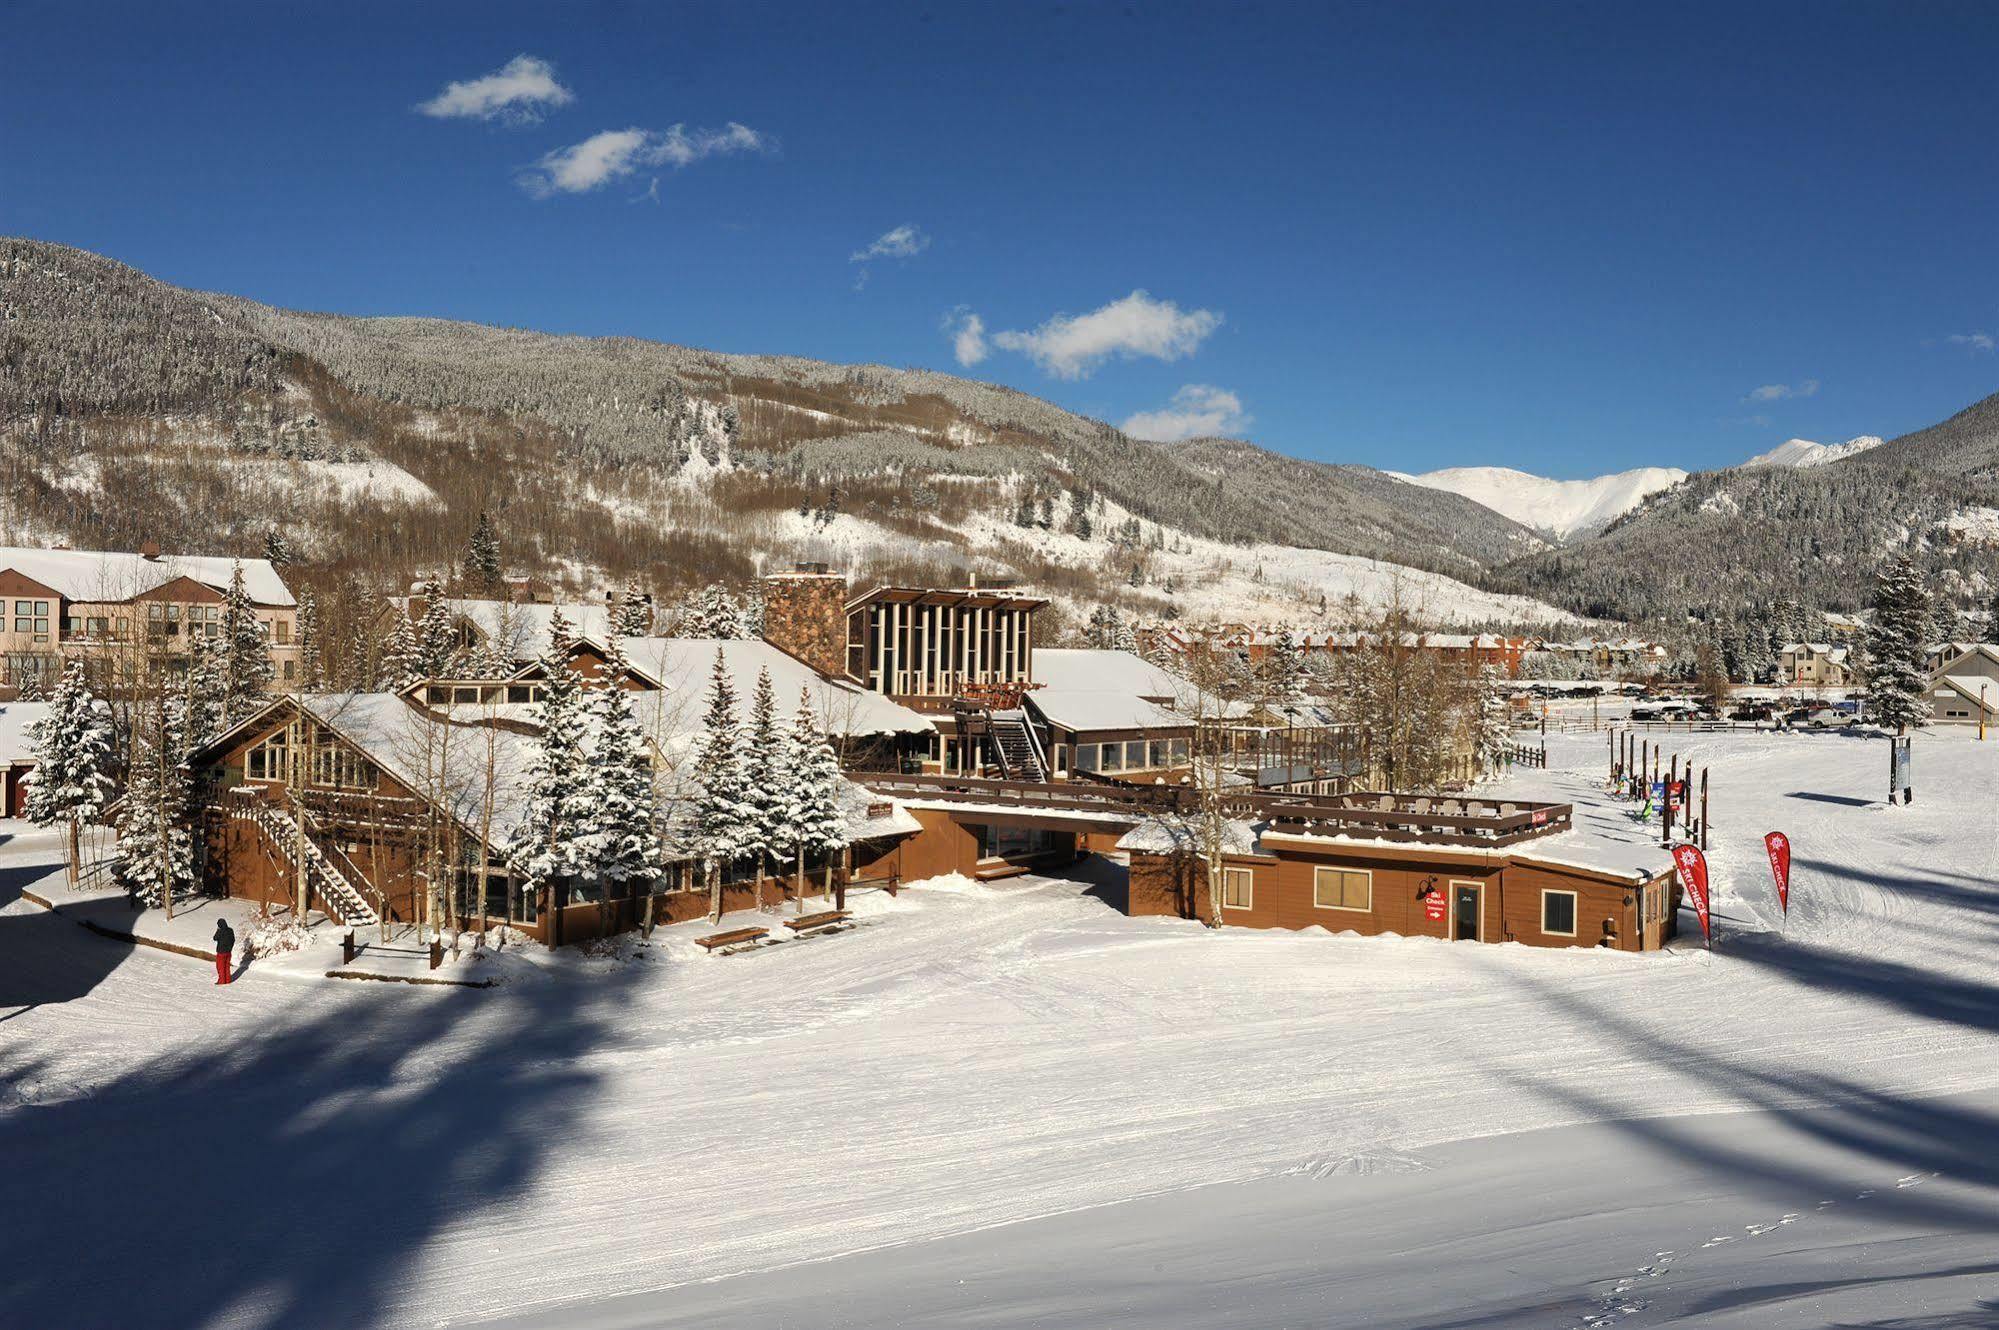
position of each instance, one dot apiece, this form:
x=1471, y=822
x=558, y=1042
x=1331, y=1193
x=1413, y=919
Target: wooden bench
x=807, y=923
x=735, y=937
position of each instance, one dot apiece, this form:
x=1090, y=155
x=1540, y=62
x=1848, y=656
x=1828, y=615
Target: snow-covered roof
x=1970, y=686
x=527, y=626
x=680, y=667
x=404, y=740
x=1176, y=835
x=16, y=744
x=1079, y=709
x=104, y=575
x=1089, y=669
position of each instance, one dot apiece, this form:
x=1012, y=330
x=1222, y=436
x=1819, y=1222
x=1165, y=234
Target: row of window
x=465, y=694
x=1132, y=755
x=1353, y=889
x=333, y=765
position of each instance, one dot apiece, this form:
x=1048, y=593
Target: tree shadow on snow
x=296, y=1180
x=45, y=958
x=1847, y=801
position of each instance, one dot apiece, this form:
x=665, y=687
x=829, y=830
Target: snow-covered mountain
x=1565, y=509
x=1803, y=452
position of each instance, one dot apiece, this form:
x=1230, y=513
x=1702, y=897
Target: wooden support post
x=347, y=947
x=1666, y=820
x=1703, y=810
x=436, y=953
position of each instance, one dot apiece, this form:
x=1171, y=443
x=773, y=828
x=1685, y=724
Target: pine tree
x=482, y=554
x=616, y=808
x=436, y=635
x=1105, y=624
x=542, y=848
x=1079, y=514
x=1023, y=510
x=1493, y=739
x=817, y=825
x=634, y=616
x=399, y=667
x=311, y=663
x=202, y=711
x=1897, y=645
x=246, y=658
x=277, y=550
x=1992, y=616
x=764, y=777
x=155, y=838
x=711, y=613
x=71, y=782
x=723, y=813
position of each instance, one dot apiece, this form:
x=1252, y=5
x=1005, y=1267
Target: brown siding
x=1282, y=896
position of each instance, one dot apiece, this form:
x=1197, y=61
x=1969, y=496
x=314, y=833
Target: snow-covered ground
x=1562, y=508
x=1009, y=1104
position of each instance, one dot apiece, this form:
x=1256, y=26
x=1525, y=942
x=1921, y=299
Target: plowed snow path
x=967, y=1058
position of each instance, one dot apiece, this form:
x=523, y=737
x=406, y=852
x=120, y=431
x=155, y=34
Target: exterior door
x=1465, y=911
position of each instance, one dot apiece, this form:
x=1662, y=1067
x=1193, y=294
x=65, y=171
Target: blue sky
x=1568, y=238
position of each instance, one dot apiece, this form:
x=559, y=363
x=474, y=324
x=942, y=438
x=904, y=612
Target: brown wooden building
x=1460, y=869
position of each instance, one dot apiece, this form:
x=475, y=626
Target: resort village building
x=1964, y=684
x=127, y=616
x=1815, y=664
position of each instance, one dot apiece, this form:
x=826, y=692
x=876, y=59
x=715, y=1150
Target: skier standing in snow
x=225, y=946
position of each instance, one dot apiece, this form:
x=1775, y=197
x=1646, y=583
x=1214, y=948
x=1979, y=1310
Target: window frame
x=1575, y=911
x=1366, y=874
x=1242, y=873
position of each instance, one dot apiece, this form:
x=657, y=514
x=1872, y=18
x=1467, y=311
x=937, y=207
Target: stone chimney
x=805, y=614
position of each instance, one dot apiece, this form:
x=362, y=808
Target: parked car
x=1754, y=711
x=1826, y=718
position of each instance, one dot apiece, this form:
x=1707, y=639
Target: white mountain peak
x=1561, y=508
x=1803, y=452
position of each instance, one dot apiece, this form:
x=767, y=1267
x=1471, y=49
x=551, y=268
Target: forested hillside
x=1729, y=540
x=130, y=409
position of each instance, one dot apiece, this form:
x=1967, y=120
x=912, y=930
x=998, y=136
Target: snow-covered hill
x=1562, y=508
x=1803, y=452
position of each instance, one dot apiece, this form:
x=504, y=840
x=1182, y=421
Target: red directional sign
x=1433, y=907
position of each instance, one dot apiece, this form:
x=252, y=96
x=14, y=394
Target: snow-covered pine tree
x=71, y=782
x=541, y=849
x=277, y=550
x=764, y=778
x=711, y=613
x=1104, y=624
x=1897, y=643
x=246, y=661
x=634, y=615
x=1124, y=637
x=202, y=709
x=155, y=838
x=437, y=654
x=311, y=658
x=617, y=805
x=1493, y=739
x=1079, y=514
x=482, y=554
x=1992, y=615
x=818, y=824
x=723, y=812
x=399, y=655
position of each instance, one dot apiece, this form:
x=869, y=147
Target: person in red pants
x=225, y=947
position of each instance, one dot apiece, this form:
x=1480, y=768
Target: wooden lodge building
x=1457, y=868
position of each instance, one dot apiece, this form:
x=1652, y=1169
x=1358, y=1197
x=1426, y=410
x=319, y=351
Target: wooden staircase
x=1015, y=747
x=346, y=900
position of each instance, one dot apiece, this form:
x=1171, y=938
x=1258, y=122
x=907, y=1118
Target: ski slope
x=1561, y=508
x=1009, y=1103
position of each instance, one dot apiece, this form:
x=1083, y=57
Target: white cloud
x=517, y=92
x=901, y=243
x=1196, y=411
x=1072, y=346
x=967, y=332
x=1977, y=341
x=616, y=153
x=1777, y=392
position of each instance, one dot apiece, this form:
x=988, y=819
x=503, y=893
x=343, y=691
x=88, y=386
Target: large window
x=1558, y=913
x=1342, y=889
x=1086, y=757
x=1238, y=888
x=1113, y=757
